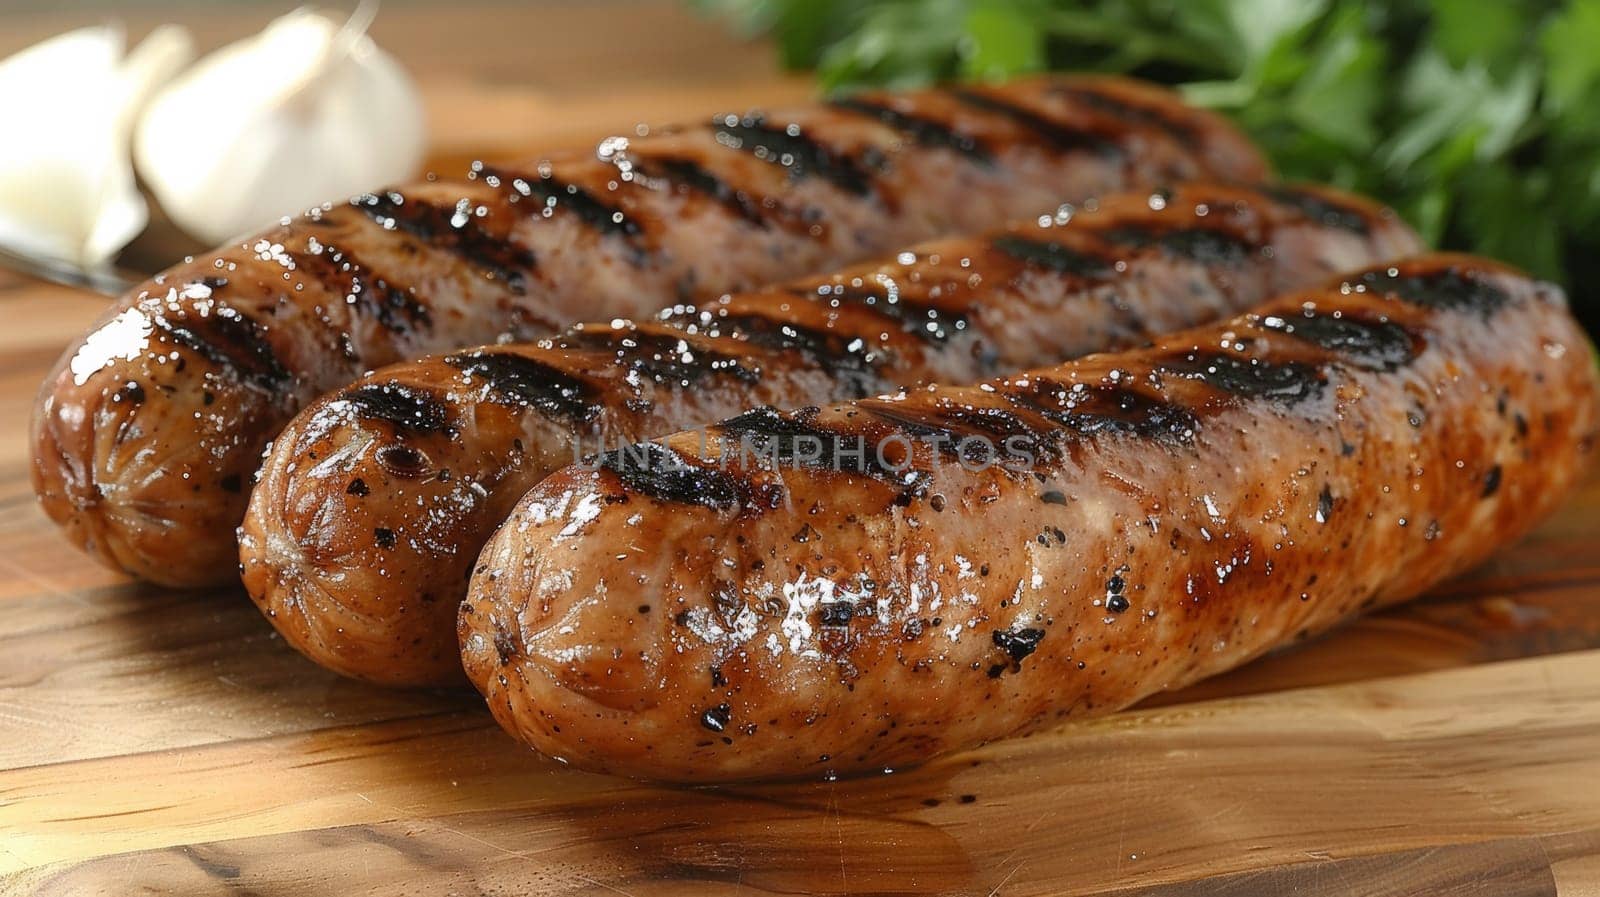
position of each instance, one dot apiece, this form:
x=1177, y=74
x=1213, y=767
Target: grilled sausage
x=850, y=588
x=148, y=431
x=375, y=501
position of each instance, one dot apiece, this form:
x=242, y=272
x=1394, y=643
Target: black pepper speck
x=1020, y=643
x=1491, y=481
x=716, y=719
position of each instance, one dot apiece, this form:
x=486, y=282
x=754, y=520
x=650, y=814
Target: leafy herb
x=1479, y=120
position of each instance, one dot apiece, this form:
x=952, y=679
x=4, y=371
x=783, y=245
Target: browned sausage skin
x=148, y=431
x=1163, y=514
x=375, y=501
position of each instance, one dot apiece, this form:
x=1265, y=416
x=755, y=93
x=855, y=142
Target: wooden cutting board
x=165, y=742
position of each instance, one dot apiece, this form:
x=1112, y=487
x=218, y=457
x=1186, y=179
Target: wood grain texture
x=1512, y=867
x=163, y=742
x=1151, y=797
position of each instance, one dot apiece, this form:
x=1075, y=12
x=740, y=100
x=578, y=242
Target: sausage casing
x=759, y=609
x=374, y=502
x=147, y=433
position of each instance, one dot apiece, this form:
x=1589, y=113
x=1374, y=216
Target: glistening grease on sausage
x=848, y=588
x=360, y=562
x=148, y=431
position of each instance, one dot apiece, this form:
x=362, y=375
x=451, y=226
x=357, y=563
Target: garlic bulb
x=68, y=105
x=307, y=111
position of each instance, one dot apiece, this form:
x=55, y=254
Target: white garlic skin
x=295, y=116
x=68, y=105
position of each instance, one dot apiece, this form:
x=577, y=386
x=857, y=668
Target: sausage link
x=375, y=501
x=849, y=588
x=149, y=429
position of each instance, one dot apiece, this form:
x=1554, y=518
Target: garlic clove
x=67, y=189
x=305, y=112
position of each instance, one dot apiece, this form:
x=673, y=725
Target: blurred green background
x=1479, y=120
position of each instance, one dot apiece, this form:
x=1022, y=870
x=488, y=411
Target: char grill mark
x=689, y=175
x=660, y=356
x=397, y=309
x=519, y=380
x=1130, y=111
x=924, y=321
x=1050, y=256
x=551, y=193
x=1376, y=345
x=1204, y=245
x=1447, y=289
x=974, y=435
x=791, y=439
x=228, y=339
x=797, y=153
x=1283, y=382
x=849, y=360
x=660, y=473
x=1083, y=410
x=452, y=230
x=1321, y=209
x=406, y=407
x=1054, y=134
x=925, y=131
